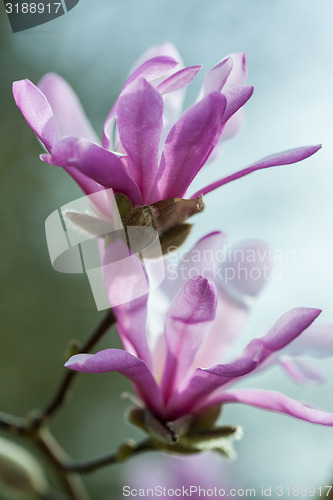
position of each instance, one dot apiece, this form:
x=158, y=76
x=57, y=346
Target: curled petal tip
x=308, y=311
x=77, y=360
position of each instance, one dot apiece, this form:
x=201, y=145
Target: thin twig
x=112, y=458
x=32, y=427
x=57, y=456
x=12, y=424
x=64, y=386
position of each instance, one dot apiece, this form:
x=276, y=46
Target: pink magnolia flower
x=148, y=152
x=178, y=376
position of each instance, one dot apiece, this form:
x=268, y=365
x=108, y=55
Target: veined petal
x=275, y=401
x=186, y=325
x=153, y=68
x=231, y=317
x=204, y=257
x=87, y=185
x=149, y=70
x=285, y=330
x=238, y=74
x=37, y=112
x=116, y=360
x=316, y=342
x=202, y=383
x=166, y=49
x=178, y=80
x=237, y=286
x=229, y=73
x=126, y=288
x=188, y=145
x=140, y=122
x=95, y=162
x=67, y=109
x=299, y=370
x=216, y=78
x=236, y=98
x=226, y=75
x=285, y=158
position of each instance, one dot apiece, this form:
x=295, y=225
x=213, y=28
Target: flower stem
x=125, y=452
x=57, y=457
x=68, y=377
x=12, y=424
x=33, y=426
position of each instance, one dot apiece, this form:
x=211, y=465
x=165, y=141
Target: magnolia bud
x=206, y=419
x=173, y=211
x=125, y=450
x=21, y=476
x=167, y=217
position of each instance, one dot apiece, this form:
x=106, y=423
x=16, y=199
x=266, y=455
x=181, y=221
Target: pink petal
x=316, y=342
x=36, y=111
x=150, y=70
x=203, y=258
x=96, y=163
x=275, y=401
x=236, y=98
x=232, y=126
x=139, y=121
x=116, y=360
x=153, y=68
x=188, y=145
x=187, y=323
x=285, y=330
x=127, y=290
x=165, y=49
x=245, y=270
x=67, y=109
x=231, y=317
x=178, y=80
x=285, y=158
x=238, y=73
x=228, y=74
x=87, y=185
x=203, y=382
x=216, y=78
x=299, y=370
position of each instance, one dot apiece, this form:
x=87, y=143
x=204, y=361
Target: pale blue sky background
x=289, y=47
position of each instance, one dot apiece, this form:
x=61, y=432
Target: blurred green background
x=289, y=48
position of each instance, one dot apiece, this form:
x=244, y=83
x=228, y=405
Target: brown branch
x=32, y=427
x=12, y=424
x=125, y=452
x=57, y=457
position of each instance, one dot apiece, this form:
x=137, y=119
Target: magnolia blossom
x=148, y=151
x=178, y=375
